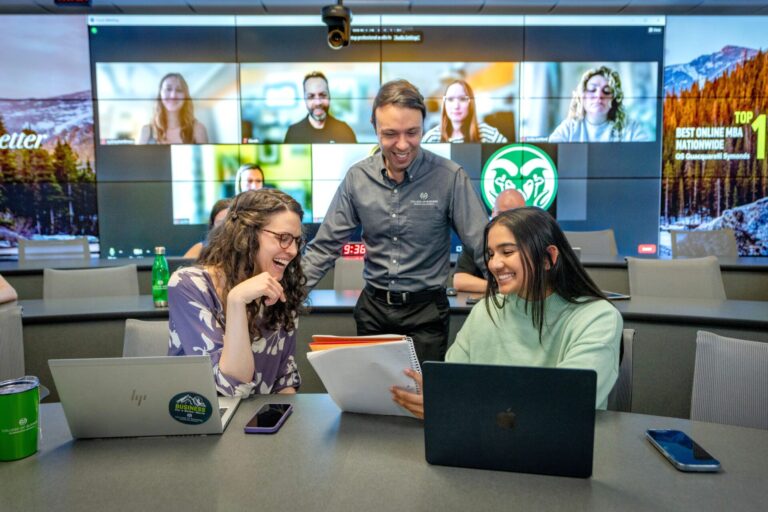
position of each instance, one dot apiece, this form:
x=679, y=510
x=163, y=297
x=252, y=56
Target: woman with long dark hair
x=458, y=120
x=541, y=308
x=174, y=118
x=240, y=303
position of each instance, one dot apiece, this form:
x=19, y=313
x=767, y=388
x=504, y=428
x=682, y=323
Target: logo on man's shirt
x=523, y=167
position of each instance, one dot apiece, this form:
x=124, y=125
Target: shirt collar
x=410, y=172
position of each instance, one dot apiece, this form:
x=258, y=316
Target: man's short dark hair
x=401, y=93
x=313, y=74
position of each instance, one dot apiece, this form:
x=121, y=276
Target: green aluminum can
x=19, y=408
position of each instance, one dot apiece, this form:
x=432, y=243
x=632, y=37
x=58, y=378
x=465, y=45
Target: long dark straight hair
x=535, y=230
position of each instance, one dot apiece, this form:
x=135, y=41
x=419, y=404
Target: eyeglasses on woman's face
x=286, y=239
x=463, y=100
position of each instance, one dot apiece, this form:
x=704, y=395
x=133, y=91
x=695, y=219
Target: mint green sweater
x=586, y=335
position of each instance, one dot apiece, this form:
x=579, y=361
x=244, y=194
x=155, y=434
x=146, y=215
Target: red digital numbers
x=353, y=249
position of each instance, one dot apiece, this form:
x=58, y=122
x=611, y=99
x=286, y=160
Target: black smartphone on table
x=682, y=451
x=269, y=419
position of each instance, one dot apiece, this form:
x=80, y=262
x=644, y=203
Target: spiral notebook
x=359, y=372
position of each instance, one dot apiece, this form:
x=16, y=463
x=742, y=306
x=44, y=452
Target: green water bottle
x=160, y=275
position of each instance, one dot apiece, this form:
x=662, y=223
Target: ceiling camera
x=337, y=17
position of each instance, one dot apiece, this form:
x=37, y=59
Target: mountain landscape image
x=705, y=68
x=704, y=194
x=48, y=192
x=67, y=119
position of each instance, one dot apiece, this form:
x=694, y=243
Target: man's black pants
x=423, y=316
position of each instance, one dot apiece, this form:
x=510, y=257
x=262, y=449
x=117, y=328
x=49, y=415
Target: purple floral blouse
x=197, y=327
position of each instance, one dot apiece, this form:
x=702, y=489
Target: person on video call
x=240, y=303
x=216, y=218
x=319, y=126
x=458, y=121
x=174, y=118
x=596, y=113
x=541, y=308
x=468, y=277
x=249, y=177
x=406, y=199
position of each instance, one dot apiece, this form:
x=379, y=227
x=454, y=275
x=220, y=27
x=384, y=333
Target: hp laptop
x=510, y=418
x=141, y=396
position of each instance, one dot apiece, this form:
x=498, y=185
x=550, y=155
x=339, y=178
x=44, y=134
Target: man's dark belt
x=393, y=298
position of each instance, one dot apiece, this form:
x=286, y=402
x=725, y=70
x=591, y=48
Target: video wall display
x=280, y=99
x=160, y=116
x=714, y=169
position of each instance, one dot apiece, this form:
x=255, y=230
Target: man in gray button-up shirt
x=406, y=200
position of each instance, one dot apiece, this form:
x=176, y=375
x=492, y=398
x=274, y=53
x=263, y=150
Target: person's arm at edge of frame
x=468, y=217
x=7, y=292
x=340, y=222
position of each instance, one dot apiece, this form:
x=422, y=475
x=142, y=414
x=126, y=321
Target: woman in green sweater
x=541, y=308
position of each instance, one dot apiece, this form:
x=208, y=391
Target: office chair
x=348, y=274
x=95, y=282
x=11, y=342
x=620, y=397
x=730, y=381
x=696, y=244
x=34, y=250
x=143, y=339
x=597, y=243
x=696, y=278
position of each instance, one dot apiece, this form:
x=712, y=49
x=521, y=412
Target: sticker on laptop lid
x=190, y=408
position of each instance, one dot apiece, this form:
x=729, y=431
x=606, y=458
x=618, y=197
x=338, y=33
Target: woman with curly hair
x=458, y=121
x=596, y=113
x=174, y=119
x=240, y=303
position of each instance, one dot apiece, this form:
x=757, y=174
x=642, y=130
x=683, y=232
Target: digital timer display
x=353, y=249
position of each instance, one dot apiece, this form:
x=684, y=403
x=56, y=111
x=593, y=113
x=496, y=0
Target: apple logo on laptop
x=506, y=419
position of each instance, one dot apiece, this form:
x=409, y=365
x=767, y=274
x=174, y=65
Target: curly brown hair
x=232, y=249
x=617, y=114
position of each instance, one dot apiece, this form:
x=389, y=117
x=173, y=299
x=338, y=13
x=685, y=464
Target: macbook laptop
x=141, y=396
x=511, y=418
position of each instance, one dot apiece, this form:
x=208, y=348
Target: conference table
x=326, y=460
x=663, y=352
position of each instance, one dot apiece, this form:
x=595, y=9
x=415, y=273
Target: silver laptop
x=141, y=396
